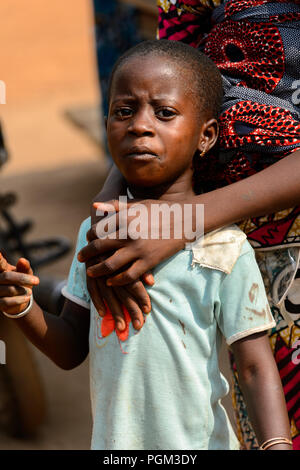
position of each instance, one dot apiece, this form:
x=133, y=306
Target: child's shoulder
x=85, y=224
x=81, y=237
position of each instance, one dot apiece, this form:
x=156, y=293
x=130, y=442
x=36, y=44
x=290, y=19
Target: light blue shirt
x=162, y=387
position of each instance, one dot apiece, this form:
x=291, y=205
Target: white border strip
x=252, y=331
x=74, y=299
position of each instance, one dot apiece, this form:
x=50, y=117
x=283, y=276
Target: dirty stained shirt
x=162, y=387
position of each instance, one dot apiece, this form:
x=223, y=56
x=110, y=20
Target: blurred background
x=55, y=58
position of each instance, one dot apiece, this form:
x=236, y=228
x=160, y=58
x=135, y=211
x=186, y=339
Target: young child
x=161, y=387
x=253, y=178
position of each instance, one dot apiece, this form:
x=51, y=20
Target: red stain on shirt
x=108, y=325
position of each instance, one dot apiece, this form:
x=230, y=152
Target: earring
x=202, y=154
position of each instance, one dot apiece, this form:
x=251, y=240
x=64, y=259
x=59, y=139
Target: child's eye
x=165, y=113
x=123, y=112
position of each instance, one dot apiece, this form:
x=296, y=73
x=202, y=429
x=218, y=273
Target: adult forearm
x=114, y=185
x=274, y=188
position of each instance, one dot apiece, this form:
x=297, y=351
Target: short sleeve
x=76, y=288
x=244, y=309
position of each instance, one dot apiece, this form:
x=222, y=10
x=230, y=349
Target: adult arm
x=274, y=188
x=270, y=190
x=114, y=186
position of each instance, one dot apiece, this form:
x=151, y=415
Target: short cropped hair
x=206, y=80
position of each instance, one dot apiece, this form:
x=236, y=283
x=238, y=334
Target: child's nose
x=141, y=124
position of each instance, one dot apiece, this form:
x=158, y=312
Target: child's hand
x=16, y=283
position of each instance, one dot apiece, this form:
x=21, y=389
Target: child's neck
x=176, y=191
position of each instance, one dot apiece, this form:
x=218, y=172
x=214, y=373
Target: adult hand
x=132, y=257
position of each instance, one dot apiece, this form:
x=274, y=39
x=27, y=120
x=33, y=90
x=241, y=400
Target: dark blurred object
x=3, y=150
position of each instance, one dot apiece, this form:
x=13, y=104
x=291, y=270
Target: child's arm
x=262, y=389
x=63, y=339
x=244, y=317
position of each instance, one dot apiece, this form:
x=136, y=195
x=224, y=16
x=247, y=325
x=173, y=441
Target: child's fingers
x=131, y=306
x=13, y=291
x=148, y=278
x=7, y=303
x=94, y=292
x=4, y=265
x=19, y=279
x=23, y=266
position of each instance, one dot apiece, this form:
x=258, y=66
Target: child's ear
x=208, y=135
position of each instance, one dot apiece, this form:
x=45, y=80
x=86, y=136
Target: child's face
x=153, y=127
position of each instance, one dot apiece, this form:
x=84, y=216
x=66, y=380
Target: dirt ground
x=48, y=65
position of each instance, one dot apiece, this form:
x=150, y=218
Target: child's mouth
x=141, y=153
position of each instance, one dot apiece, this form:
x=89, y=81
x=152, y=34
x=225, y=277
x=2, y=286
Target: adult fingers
x=114, y=205
x=131, y=274
x=91, y=234
x=146, y=255
x=96, y=230
x=98, y=247
x=111, y=264
x=106, y=214
x=19, y=279
x=113, y=213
